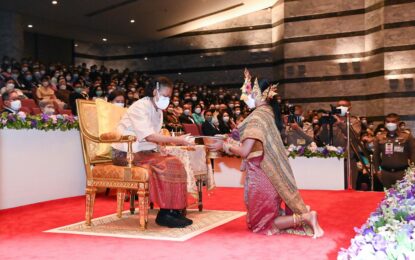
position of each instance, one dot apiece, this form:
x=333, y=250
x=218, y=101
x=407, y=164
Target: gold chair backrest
x=88, y=125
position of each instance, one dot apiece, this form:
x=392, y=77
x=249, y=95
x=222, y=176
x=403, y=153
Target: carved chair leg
x=142, y=205
x=120, y=202
x=132, y=206
x=200, y=190
x=89, y=204
x=146, y=202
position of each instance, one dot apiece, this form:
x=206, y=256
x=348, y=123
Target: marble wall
x=320, y=51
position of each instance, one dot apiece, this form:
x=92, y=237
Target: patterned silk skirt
x=168, y=179
x=262, y=201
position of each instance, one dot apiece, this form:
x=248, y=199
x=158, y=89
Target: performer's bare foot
x=311, y=219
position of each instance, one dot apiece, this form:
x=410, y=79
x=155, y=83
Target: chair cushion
x=108, y=117
x=120, y=173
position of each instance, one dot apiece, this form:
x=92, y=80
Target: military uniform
x=299, y=137
x=392, y=155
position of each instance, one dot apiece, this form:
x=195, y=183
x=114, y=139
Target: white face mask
x=119, y=104
x=10, y=86
x=343, y=110
x=226, y=119
x=186, y=112
x=198, y=110
x=16, y=105
x=176, y=103
x=63, y=87
x=391, y=127
x=250, y=102
x=163, y=101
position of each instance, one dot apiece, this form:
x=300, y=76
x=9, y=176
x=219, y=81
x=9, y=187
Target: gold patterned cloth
x=195, y=164
x=260, y=125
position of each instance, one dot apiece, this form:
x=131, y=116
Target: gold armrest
x=115, y=137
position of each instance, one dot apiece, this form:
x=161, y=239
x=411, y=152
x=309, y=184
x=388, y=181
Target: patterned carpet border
x=127, y=226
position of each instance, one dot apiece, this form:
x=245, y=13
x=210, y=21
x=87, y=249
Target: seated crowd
x=32, y=87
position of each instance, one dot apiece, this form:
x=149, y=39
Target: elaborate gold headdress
x=248, y=89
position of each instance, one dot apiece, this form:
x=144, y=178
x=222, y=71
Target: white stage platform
x=37, y=166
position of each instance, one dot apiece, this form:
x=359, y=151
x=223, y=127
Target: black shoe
x=168, y=219
x=178, y=214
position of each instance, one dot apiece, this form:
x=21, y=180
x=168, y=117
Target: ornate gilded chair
x=100, y=172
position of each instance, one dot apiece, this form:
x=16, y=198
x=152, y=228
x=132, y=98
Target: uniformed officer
x=394, y=152
x=339, y=127
x=299, y=136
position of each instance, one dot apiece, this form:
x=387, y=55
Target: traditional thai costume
x=269, y=177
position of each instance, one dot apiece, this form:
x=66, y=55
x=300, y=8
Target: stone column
x=11, y=35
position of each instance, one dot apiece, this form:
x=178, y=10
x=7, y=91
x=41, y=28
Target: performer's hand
x=216, y=146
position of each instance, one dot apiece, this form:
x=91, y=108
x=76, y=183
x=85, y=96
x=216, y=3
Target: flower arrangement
x=389, y=233
x=313, y=151
x=40, y=122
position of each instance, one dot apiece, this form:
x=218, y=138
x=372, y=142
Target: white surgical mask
x=250, y=102
x=198, y=110
x=63, y=87
x=391, y=126
x=119, y=104
x=237, y=112
x=176, y=103
x=186, y=112
x=343, y=110
x=16, y=105
x=10, y=86
x=45, y=83
x=163, y=101
x=226, y=119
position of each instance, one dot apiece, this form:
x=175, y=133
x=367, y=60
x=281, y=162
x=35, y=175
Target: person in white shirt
x=144, y=119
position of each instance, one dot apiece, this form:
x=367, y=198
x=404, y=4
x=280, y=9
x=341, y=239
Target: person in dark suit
x=186, y=117
x=208, y=127
x=11, y=102
x=80, y=92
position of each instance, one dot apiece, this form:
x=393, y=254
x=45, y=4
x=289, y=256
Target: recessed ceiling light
x=129, y=47
x=54, y=2
x=132, y=21
x=201, y=56
x=179, y=73
x=30, y=25
x=145, y=58
x=104, y=39
x=76, y=45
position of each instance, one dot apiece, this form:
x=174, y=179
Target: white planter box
x=310, y=173
x=38, y=166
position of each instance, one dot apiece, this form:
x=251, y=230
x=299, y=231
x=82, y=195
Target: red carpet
x=21, y=229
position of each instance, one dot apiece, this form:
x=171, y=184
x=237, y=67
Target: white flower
x=313, y=147
x=291, y=148
x=21, y=115
x=331, y=148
